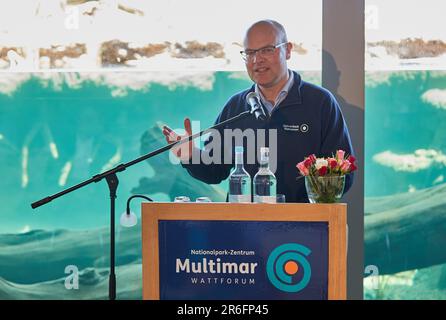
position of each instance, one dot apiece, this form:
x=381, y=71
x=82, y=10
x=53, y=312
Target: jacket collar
x=294, y=95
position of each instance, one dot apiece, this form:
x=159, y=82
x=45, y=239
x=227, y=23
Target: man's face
x=266, y=70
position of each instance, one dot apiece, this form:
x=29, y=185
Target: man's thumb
x=187, y=126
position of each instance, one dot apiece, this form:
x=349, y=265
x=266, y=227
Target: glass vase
x=326, y=189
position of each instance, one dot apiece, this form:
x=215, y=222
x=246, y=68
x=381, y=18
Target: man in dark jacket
x=302, y=118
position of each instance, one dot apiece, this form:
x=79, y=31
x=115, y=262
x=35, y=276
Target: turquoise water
x=404, y=205
x=89, y=126
x=398, y=120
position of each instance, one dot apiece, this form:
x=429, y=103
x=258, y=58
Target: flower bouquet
x=325, y=177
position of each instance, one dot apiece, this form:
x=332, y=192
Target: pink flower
x=303, y=169
x=345, y=166
x=340, y=154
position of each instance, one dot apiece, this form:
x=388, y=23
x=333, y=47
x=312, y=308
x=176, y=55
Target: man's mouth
x=261, y=70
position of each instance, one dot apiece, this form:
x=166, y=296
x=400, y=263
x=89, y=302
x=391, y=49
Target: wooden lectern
x=156, y=231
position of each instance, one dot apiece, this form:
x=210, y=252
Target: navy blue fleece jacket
x=308, y=121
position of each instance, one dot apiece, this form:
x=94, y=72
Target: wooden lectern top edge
x=232, y=211
x=164, y=203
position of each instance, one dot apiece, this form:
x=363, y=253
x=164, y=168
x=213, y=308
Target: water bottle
x=239, y=180
x=264, y=180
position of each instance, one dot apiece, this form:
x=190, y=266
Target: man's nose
x=256, y=57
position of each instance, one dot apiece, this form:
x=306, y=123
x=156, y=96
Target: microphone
x=253, y=100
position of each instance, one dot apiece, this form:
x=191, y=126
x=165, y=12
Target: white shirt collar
x=282, y=94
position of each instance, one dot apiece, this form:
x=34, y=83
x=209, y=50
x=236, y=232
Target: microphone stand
x=112, y=181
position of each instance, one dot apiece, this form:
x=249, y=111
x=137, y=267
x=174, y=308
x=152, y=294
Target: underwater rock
x=116, y=52
x=43, y=255
x=56, y=55
x=91, y=276
x=412, y=48
x=406, y=231
x=299, y=48
x=9, y=54
x=119, y=53
x=93, y=284
x=194, y=50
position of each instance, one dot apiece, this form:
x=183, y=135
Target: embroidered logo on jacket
x=296, y=127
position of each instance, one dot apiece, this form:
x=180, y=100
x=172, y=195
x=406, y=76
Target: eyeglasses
x=264, y=52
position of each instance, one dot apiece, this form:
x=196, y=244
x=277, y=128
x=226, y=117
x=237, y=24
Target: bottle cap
x=182, y=199
x=203, y=199
x=264, y=154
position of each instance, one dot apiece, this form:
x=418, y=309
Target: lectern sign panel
x=243, y=259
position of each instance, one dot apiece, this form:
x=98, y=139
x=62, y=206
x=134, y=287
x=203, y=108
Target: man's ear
x=289, y=46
